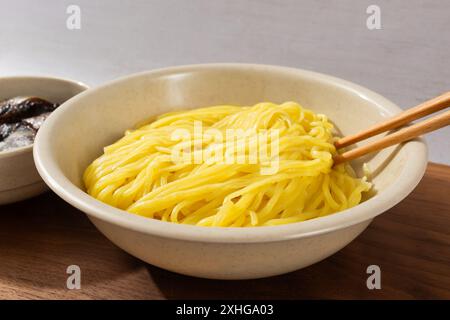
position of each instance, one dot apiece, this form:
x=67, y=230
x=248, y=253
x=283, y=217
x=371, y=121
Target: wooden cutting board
x=41, y=237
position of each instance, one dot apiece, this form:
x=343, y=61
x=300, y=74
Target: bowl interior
x=76, y=133
x=52, y=89
x=56, y=90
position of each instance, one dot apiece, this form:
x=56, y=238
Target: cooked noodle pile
x=140, y=174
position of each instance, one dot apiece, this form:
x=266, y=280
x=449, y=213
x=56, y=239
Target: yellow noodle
x=138, y=174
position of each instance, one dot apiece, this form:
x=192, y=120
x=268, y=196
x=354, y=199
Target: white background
x=408, y=61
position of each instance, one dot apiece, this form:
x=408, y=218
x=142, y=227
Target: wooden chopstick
x=402, y=135
x=422, y=110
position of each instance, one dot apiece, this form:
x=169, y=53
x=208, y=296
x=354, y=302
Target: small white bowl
x=18, y=176
x=76, y=133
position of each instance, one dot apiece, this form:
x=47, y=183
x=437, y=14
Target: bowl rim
x=18, y=151
x=408, y=179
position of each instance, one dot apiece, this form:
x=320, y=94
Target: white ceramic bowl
x=76, y=133
x=18, y=176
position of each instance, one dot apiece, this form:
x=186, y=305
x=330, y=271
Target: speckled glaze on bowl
x=76, y=133
x=18, y=176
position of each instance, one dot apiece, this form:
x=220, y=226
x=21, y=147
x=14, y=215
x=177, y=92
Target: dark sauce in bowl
x=20, y=119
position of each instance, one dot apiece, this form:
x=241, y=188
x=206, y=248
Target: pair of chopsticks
x=424, y=109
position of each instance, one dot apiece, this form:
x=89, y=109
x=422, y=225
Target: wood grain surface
x=40, y=237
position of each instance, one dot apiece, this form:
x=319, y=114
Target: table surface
x=41, y=237
x=405, y=61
